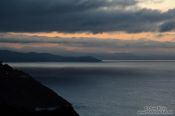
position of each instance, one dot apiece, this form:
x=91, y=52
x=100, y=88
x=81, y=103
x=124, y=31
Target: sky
x=88, y=26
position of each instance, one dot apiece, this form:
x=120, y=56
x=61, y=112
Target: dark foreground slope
x=21, y=95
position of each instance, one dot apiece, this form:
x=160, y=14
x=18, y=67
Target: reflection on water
x=109, y=88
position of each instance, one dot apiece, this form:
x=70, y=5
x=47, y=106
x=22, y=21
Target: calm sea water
x=109, y=88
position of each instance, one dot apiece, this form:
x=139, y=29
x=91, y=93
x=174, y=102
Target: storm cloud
x=168, y=26
x=79, y=16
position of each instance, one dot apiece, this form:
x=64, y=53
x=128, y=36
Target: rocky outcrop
x=20, y=94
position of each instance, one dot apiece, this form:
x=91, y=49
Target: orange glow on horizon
x=154, y=36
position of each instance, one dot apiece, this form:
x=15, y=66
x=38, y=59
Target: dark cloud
x=43, y=7
x=168, y=26
x=78, y=16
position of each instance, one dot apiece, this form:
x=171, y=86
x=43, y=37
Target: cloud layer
x=81, y=16
x=88, y=42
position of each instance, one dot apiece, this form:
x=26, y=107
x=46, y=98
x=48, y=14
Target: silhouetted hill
x=21, y=95
x=129, y=56
x=136, y=56
x=11, y=56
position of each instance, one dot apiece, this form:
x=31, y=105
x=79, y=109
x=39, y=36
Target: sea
x=110, y=88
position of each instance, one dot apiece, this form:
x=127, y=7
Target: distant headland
x=12, y=56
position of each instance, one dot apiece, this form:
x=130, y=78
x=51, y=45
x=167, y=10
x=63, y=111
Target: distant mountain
x=12, y=56
x=129, y=56
x=136, y=56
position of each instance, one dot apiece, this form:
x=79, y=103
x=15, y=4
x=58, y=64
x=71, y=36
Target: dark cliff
x=20, y=94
